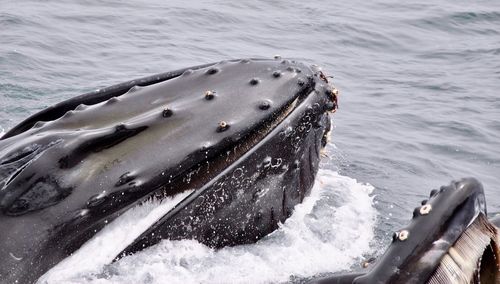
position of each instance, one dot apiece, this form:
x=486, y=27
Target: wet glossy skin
x=245, y=134
x=417, y=249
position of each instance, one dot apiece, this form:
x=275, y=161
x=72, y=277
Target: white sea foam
x=110, y=241
x=328, y=232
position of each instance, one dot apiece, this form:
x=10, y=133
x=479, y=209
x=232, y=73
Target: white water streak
x=110, y=241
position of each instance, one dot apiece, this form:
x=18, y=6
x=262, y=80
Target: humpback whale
x=449, y=240
x=243, y=135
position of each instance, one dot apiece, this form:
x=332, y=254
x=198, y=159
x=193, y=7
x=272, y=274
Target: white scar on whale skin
x=101, y=249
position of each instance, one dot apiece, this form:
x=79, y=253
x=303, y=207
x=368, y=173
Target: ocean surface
x=419, y=107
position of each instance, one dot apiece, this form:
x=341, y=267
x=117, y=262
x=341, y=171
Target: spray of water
x=328, y=232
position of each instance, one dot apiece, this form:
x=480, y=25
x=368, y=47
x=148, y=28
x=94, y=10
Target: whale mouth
x=289, y=128
x=449, y=240
x=473, y=258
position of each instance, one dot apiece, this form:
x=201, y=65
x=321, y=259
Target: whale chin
x=240, y=138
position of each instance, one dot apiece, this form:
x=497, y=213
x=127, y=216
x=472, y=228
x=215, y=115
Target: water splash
x=328, y=232
x=109, y=242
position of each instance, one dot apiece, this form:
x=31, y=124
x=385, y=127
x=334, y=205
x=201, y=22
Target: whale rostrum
x=244, y=135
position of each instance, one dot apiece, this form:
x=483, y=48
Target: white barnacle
x=424, y=210
x=403, y=235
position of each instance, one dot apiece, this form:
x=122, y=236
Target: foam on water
x=110, y=241
x=330, y=231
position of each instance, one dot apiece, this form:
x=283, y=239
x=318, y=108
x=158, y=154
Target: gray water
x=419, y=81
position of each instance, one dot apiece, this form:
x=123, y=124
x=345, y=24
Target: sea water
x=419, y=106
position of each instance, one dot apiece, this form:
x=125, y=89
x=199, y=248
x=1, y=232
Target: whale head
x=242, y=136
x=449, y=240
